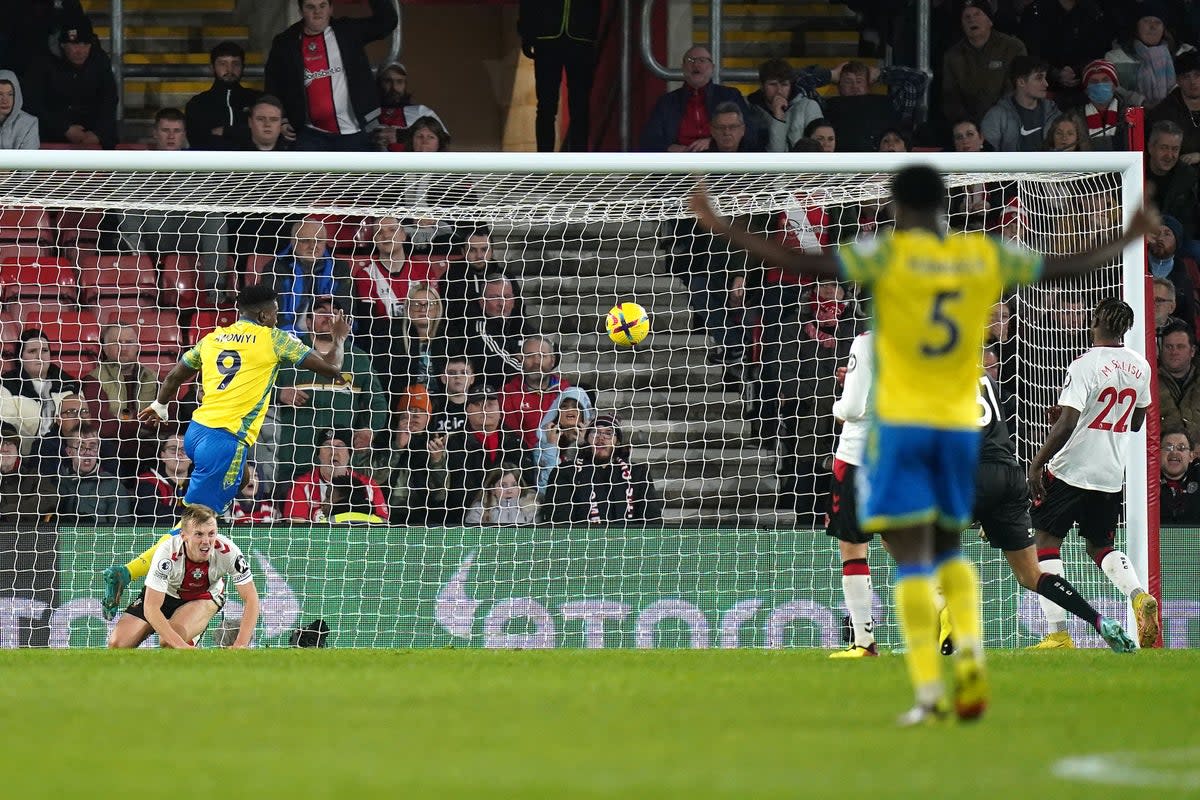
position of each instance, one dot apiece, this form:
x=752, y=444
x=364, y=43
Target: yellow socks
x=139, y=567
x=960, y=584
x=919, y=626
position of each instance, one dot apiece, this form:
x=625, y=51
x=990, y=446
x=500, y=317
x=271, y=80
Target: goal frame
x=1141, y=496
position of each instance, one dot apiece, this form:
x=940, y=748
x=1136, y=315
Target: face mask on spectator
x=1100, y=93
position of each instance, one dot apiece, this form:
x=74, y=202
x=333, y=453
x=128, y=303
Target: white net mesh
x=704, y=525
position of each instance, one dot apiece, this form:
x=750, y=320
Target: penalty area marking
x=1168, y=769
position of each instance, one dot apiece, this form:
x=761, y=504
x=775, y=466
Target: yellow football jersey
x=238, y=365
x=931, y=299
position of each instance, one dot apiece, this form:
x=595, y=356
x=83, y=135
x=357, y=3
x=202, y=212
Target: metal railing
x=121, y=70
x=714, y=47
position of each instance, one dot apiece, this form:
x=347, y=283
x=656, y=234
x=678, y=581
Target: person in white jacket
x=18, y=130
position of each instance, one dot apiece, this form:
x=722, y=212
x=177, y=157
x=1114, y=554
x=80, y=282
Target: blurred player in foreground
x=1079, y=472
x=932, y=296
x=186, y=587
x=237, y=365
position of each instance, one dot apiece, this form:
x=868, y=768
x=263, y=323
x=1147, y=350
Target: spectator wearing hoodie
x=602, y=486
x=18, y=130
x=1020, y=121
x=769, y=103
x=74, y=96
x=563, y=433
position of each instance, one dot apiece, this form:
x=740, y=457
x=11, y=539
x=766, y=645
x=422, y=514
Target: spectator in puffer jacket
x=74, y=96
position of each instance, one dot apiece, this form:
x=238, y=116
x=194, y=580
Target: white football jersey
x=852, y=405
x=1105, y=385
x=173, y=573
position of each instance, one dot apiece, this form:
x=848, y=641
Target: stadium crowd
x=457, y=411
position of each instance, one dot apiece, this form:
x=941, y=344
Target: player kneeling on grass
x=186, y=587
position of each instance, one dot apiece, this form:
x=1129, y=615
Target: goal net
x=496, y=471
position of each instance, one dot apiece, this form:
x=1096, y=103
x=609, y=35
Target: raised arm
x=332, y=367
x=822, y=265
x=1145, y=221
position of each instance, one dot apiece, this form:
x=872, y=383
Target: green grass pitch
x=581, y=724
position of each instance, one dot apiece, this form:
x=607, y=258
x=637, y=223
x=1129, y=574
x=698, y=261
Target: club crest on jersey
x=197, y=574
x=312, y=47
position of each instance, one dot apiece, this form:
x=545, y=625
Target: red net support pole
x=1135, y=119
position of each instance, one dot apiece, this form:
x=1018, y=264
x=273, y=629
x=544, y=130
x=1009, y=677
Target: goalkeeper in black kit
x=1002, y=509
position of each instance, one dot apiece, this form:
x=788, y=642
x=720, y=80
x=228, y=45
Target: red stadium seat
x=45, y=277
x=257, y=264
x=75, y=344
x=180, y=279
x=25, y=224
x=347, y=234
x=123, y=276
x=205, y=322
x=30, y=250
x=42, y=315
x=161, y=364
x=79, y=227
x=10, y=332
x=158, y=329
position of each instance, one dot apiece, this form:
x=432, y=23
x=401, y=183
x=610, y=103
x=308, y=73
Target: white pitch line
x=1174, y=769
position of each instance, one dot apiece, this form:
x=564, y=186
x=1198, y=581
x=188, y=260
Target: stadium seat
x=107, y=309
x=44, y=277
x=256, y=265
x=125, y=276
x=25, y=224
x=179, y=281
x=79, y=227
x=161, y=364
x=10, y=332
x=347, y=234
x=158, y=329
x=206, y=321
x=14, y=251
x=68, y=146
x=41, y=315
x=75, y=344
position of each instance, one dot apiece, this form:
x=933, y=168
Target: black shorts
x=1002, y=505
x=169, y=607
x=1097, y=513
x=841, y=514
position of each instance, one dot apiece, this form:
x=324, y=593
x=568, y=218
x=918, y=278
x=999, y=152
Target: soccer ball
x=628, y=324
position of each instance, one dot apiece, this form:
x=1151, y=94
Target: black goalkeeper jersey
x=997, y=445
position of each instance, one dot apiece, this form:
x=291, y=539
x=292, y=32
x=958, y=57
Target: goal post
x=734, y=433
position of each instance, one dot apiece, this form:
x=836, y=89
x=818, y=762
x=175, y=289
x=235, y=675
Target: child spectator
x=158, y=492
x=503, y=500
x=252, y=506
x=562, y=433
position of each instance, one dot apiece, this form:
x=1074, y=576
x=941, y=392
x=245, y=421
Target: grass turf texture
x=578, y=724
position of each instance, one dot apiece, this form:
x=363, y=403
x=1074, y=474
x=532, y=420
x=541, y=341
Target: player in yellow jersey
x=932, y=296
x=237, y=366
